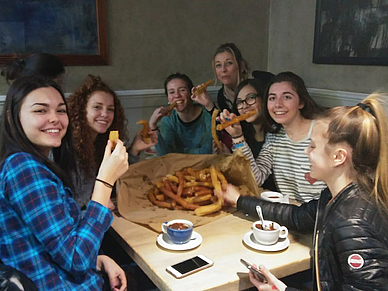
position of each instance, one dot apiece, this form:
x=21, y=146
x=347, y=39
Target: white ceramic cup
x=269, y=237
x=272, y=196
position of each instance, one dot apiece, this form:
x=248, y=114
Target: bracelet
x=105, y=183
x=237, y=136
x=238, y=145
x=155, y=129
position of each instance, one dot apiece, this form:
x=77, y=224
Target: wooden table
x=222, y=243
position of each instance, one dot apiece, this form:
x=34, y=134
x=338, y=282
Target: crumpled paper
x=135, y=184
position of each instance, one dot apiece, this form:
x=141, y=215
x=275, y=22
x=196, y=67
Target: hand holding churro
x=236, y=119
x=172, y=106
x=199, y=95
x=200, y=89
x=145, y=136
x=113, y=136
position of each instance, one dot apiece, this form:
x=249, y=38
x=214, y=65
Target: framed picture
x=75, y=31
x=351, y=32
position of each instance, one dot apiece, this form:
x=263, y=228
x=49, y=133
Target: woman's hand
x=231, y=195
x=157, y=115
x=114, y=164
x=273, y=282
x=116, y=275
x=233, y=130
x=203, y=98
x=225, y=149
x=139, y=145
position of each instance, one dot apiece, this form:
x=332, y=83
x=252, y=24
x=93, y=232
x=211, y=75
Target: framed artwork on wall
x=351, y=32
x=75, y=31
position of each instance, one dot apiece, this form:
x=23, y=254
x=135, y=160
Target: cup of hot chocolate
x=179, y=231
x=270, y=233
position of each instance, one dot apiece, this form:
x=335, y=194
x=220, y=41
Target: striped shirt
x=43, y=233
x=288, y=162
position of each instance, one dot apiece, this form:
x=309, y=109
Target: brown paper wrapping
x=134, y=185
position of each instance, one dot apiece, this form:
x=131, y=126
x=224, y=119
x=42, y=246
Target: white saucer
x=250, y=241
x=284, y=199
x=164, y=241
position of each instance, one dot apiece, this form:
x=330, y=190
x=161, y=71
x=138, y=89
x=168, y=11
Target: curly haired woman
x=94, y=111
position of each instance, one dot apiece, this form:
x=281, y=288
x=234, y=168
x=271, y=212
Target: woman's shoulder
x=21, y=161
x=20, y=157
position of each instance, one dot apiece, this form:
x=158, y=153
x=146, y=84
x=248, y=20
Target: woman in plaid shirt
x=43, y=232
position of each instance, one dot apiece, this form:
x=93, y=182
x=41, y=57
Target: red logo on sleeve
x=355, y=261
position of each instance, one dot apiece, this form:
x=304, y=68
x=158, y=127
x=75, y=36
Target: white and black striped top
x=289, y=163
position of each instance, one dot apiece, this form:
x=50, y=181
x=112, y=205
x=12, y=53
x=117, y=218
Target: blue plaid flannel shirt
x=43, y=233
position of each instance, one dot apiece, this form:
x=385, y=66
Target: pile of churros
x=189, y=189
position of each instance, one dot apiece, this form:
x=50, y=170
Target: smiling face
x=320, y=153
x=249, y=94
x=179, y=92
x=283, y=103
x=44, y=119
x=226, y=68
x=100, y=111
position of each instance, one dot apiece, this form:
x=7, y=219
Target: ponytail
x=378, y=106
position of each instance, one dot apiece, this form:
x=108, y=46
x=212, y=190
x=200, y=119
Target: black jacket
x=351, y=235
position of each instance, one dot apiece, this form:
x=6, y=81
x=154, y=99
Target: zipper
x=316, y=262
x=315, y=244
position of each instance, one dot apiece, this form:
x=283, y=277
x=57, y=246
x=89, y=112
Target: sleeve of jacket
x=360, y=237
x=301, y=218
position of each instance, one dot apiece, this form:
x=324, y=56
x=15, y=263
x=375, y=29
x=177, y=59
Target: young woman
x=188, y=128
x=95, y=110
x=290, y=111
x=42, y=64
x=44, y=235
x=249, y=97
x=349, y=151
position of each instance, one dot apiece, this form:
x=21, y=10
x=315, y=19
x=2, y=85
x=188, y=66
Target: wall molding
x=328, y=97
x=152, y=98
x=331, y=98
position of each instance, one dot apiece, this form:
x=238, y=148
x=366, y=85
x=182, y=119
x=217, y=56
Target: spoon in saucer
x=260, y=214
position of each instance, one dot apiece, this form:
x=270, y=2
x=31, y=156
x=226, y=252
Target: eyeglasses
x=250, y=100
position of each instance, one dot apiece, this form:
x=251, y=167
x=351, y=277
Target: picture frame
x=74, y=31
x=351, y=32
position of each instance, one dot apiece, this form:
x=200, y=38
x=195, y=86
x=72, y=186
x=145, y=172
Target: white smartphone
x=258, y=275
x=189, y=266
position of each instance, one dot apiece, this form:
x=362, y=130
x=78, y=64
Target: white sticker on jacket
x=355, y=261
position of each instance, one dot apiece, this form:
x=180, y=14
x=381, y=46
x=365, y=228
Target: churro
x=146, y=127
x=200, y=89
x=235, y=120
x=172, y=106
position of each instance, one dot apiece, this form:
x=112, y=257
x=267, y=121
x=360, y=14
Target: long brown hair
x=89, y=151
x=365, y=129
x=310, y=108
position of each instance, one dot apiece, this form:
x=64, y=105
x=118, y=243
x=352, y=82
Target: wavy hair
x=89, y=151
x=310, y=108
x=365, y=129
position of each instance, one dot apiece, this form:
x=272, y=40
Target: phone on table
x=258, y=275
x=189, y=266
